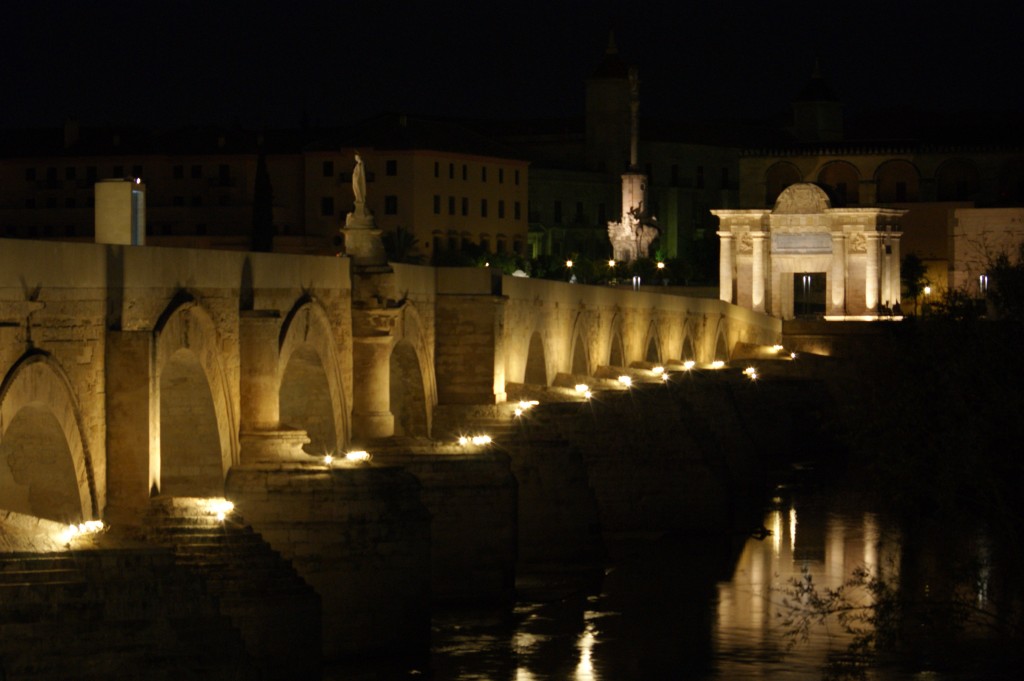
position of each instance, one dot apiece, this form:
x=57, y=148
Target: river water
x=681, y=607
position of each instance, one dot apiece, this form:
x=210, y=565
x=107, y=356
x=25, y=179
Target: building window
x=69, y=173
x=179, y=172
x=501, y=244
x=391, y=167
x=328, y=169
x=451, y=171
x=91, y=173
x=517, y=178
x=69, y=203
x=518, y=246
x=517, y=211
x=579, y=213
x=196, y=172
x=465, y=206
x=451, y=205
x=136, y=171
x=675, y=174
x=501, y=209
x=197, y=200
x=391, y=205
x=901, y=191
x=30, y=174
x=224, y=174
x=501, y=175
x=178, y=201
x=118, y=171
x=699, y=182
x=327, y=205
x=30, y=203
x=557, y=210
x=485, y=242
x=437, y=204
x=437, y=169
x=465, y=172
x=483, y=208
x=483, y=173
x=725, y=178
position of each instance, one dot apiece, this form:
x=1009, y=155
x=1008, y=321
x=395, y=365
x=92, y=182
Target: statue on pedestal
x=359, y=182
x=362, y=238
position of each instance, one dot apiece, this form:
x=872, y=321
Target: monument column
x=757, y=272
x=725, y=266
x=838, y=274
x=376, y=312
x=871, y=272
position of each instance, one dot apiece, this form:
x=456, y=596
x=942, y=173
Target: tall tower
x=817, y=112
x=608, y=113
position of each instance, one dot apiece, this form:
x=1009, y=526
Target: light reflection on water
x=681, y=608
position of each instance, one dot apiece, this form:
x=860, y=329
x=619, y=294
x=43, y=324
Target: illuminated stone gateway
x=134, y=375
x=805, y=258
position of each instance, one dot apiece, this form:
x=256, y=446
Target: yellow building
x=447, y=186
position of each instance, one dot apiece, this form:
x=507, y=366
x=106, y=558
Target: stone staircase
x=111, y=614
x=276, y=611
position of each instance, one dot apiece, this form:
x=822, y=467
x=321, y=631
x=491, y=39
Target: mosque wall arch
x=777, y=178
x=841, y=179
x=46, y=468
x=897, y=181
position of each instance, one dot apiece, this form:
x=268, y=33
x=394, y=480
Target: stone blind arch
x=38, y=380
x=307, y=326
x=841, y=180
x=186, y=326
x=777, y=178
x=897, y=180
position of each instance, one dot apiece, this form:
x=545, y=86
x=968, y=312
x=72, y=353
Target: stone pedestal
x=362, y=239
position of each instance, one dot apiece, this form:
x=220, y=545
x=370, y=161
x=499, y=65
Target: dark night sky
x=271, y=63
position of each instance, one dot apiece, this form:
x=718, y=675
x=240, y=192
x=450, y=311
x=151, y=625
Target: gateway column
x=757, y=272
x=871, y=273
x=838, y=274
x=725, y=266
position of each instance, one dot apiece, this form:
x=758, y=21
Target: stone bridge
x=132, y=372
x=129, y=370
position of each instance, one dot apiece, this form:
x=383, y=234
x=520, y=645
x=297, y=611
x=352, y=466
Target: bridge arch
x=688, y=350
x=413, y=387
x=311, y=393
x=652, y=353
x=196, y=425
x=616, y=353
x=721, y=348
x=45, y=466
x=536, y=372
x=579, y=357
